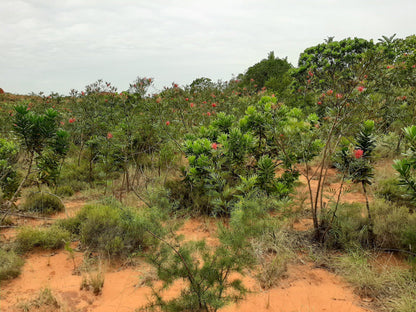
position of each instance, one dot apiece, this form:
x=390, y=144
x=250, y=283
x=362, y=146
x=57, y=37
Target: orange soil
x=306, y=288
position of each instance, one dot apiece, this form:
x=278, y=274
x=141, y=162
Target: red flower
x=109, y=135
x=208, y=114
x=82, y=93
x=358, y=153
x=214, y=146
x=167, y=123
x=413, y=66
x=310, y=73
x=329, y=92
x=71, y=120
x=204, y=102
x=192, y=104
x=339, y=96
x=186, y=99
x=251, y=79
x=62, y=123
x=360, y=88
x=365, y=76
x=214, y=105
x=319, y=103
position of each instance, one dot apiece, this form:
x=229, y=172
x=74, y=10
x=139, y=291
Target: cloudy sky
x=59, y=45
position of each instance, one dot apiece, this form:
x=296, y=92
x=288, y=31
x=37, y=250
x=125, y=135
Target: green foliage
x=43, y=203
x=113, y=230
x=64, y=191
x=29, y=238
x=9, y=180
x=10, y=264
x=227, y=155
x=349, y=230
x=270, y=71
x=407, y=167
x=394, y=226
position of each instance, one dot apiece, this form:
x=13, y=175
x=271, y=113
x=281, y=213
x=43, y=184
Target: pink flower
x=358, y=153
x=413, y=66
x=214, y=146
x=62, y=123
x=167, y=123
x=208, y=114
x=360, y=88
x=251, y=79
x=109, y=135
x=339, y=96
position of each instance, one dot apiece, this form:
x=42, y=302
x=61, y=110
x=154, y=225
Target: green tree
x=271, y=71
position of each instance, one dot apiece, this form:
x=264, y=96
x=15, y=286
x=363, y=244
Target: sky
x=58, y=45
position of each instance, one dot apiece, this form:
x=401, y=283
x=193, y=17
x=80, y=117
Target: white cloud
x=50, y=45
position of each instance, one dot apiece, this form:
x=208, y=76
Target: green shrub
x=10, y=264
x=43, y=203
x=349, y=229
x=394, y=226
x=390, y=189
x=113, y=230
x=46, y=238
x=64, y=191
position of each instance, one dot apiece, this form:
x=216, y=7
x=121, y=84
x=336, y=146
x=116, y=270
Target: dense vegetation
x=232, y=149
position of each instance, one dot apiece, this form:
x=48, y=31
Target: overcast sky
x=59, y=45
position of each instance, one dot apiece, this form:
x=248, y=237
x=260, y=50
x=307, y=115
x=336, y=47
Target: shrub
x=394, y=227
x=43, y=203
x=64, y=190
x=390, y=189
x=10, y=264
x=113, y=230
x=349, y=228
x=94, y=282
x=46, y=238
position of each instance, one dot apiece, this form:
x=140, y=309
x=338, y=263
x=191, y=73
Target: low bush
x=10, y=264
x=43, y=203
x=349, y=228
x=394, y=226
x=113, y=230
x=64, y=191
x=389, y=189
x=29, y=238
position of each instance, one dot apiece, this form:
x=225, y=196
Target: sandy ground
x=306, y=288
